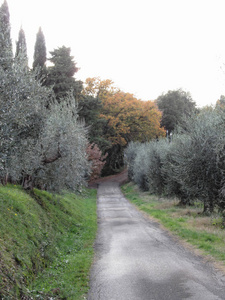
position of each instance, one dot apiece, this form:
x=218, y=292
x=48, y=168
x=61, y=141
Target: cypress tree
x=6, y=52
x=21, y=49
x=39, y=51
x=21, y=45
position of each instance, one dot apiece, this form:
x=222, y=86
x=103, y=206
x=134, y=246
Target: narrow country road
x=136, y=260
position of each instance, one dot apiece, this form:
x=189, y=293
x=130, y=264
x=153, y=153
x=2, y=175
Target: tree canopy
x=61, y=74
x=127, y=118
x=174, y=106
x=124, y=119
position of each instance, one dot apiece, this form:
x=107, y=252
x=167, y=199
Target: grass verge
x=46, y=243
x=203, y=232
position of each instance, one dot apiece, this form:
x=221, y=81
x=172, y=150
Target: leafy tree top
x=126, y=118
x=60, y=75
x=174, y=106
x=99, y=88
x=63, y=61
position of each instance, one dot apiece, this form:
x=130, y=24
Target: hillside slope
x=43, y=236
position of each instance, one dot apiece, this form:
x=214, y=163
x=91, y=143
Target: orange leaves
x=127, y=118
x=98, y=88
x=130, y=119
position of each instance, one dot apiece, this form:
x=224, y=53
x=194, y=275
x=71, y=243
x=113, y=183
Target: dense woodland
x=58, y=132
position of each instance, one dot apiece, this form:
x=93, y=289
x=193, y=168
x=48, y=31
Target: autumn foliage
x=130, y=119
x=97, y=160
x=127, y=118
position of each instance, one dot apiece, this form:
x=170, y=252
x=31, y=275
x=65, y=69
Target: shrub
x=97, y=160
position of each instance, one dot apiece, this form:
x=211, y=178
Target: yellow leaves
x=127, y=118
x=98, y=88
x=130, y=118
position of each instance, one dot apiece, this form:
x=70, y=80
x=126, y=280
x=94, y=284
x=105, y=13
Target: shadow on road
x=120, y=178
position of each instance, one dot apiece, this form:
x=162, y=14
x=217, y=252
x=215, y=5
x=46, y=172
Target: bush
x=97, y=160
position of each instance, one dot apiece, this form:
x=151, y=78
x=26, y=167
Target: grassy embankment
x=205, y=233
x=46, y=243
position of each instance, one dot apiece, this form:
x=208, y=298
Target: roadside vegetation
x=182, y=178
x=46, y=243
x=189, y=166
x=57, y=133
x=205, y=232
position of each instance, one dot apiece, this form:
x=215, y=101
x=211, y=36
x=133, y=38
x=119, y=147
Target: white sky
x=146, y=47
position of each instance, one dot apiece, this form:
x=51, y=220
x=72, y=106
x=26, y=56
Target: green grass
x=46, y=243
x=204, y=232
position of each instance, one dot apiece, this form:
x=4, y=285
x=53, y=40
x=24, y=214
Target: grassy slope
x=45, y=243
x=204, y=232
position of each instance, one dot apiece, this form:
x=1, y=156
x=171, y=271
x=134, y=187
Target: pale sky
x=146, y=47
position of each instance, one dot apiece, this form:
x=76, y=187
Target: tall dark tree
x=90, y=108
x=61, y=74
x=21, y=49
x=40, y=55
x=174, y=106
x=21, y=45
x=6, y=52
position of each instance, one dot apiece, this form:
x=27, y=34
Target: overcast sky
x=146, y=47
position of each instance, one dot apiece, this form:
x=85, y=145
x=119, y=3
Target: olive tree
x=42, y=143
x=63, y=149
x=196, y=160
x=22, y=117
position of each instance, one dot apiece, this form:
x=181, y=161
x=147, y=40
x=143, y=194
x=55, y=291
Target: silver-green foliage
x=198, y=158
x=146, y=161
x=191, y=166
x=130, y=154
x=141, y=166
x=157, y=158
x=42, y=143
x=64, y=138
x=22, y=117
x=178, y=152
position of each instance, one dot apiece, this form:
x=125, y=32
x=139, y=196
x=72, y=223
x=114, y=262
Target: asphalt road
x=137, y=260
